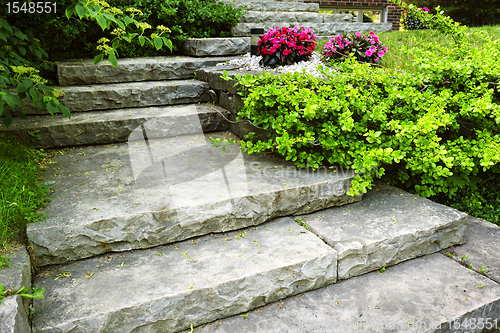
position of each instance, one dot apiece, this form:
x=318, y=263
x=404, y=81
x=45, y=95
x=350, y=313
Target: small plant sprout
x=464, y=258
x=382, y=270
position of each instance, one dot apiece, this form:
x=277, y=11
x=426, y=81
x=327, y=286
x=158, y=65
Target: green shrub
x=439, y=127
x=475, y=13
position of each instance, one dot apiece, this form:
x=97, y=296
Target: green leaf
x=98, y=58
x=20, y=113
x=80, y=11
x=167, y=42
x=115, y=44
x=22, y=87
x=12, y=100
x=37, y=293
x=120, y=24
x=102, y=21
x=142, y=40
x=65, y=111
x=158, y=42
x=70, y=10
x=20, y=35
x=112, y=59
x=52, y=108
x=7, y=120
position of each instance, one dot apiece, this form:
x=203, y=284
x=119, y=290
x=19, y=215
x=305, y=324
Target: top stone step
x=74, y=72
x=275, y=6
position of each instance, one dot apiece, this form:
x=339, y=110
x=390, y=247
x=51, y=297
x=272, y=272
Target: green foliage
x=193, y=18
x=121, y=24
x=475, y=13
x=19, y=79
x=23, y=292
x=438, y=127
x=21, y=193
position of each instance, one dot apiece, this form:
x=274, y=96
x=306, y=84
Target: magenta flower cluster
x=285, y=46
x=366, y=48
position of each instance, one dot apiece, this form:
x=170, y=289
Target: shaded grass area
x=21, y=192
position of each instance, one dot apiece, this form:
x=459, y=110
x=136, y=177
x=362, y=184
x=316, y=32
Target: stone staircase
x=153, y=229
x=269, y=14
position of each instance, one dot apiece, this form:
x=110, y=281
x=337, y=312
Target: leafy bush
x=286, y=46
x=438, y=129
x=366, y=48
x=410, y=22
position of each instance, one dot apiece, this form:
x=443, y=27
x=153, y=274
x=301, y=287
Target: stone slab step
x=387, y=227
x=303, y=18
x=319, y=29
x=146, y=193
x=104, y=127
x=275, y=6
x=13, y=318
x=73, y=72
x=128, y=95
x=428, y=294
x=202, y=47
x=169, y=288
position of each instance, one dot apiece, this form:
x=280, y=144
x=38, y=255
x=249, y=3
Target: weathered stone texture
x=13, y=318
x=127, y=95
x=274, y=6
x=102, y=127
x=139, y=195
x=421, y=295
x=168, y=288
x=202, y=47
x=387, y=227
x=72, y=72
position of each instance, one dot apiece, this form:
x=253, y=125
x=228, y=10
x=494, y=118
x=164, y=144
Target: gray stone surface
x=274, y=6
x=128, y=95
x=202, y=47
x=19, y=274
x=388, y=226
x=102, y=127
x=83, y=71
x=421, y=295
x=142, y=194
x=302, y=18
x=319, y=29
x=212, y=75
x=168, y=288
x=482, y=247
x=13, y=318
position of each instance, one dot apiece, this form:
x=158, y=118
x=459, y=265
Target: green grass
x=395, y=59
x=21, y=193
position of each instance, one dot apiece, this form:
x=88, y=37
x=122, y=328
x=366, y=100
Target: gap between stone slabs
x=168, y=288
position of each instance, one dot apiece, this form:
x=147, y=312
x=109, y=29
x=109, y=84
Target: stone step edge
x=84, y=71
x=108, y=126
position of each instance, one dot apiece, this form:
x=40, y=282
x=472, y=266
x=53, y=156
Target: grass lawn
x=21, y=193
x=395, y=59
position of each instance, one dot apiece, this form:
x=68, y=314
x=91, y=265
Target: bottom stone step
x=428, y=294
x=169, y=288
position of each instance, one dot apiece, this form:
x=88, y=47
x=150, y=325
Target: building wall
x=392, y=11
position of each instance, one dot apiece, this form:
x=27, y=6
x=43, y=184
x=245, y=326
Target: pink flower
x=368, y=53
x=426, y=9
x=286, y=52
x=380, y=54
x=384, y=48
x=358, y=34
x=376, y=59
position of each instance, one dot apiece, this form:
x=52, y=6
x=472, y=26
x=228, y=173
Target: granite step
x=78, y=72
x=169, y=288
x=303, y=18
x=104, y=127
x=319, y=29
x=431, y=294
x=142, y=194
x=131, y=94
x=275, y=6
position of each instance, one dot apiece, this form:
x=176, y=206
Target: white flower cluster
x=251, y=63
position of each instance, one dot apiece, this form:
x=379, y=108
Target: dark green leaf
x=98, y=58
x=158, y=42
x=102, y=21
x=112, y=59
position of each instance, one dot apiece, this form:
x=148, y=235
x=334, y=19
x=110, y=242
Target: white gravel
x=251, y=63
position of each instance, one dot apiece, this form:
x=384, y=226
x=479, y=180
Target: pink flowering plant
x=365, y=47
x=286, y=46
